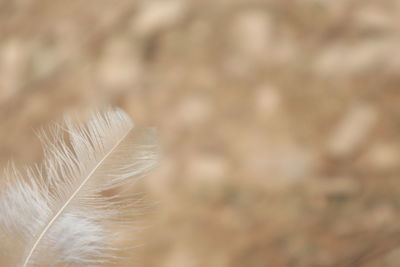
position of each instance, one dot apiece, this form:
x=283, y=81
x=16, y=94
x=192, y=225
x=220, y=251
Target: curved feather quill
x=59, y=213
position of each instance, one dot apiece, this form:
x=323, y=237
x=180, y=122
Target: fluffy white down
x=56, y=213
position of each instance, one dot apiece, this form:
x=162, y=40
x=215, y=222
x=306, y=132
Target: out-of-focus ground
x=279, y=120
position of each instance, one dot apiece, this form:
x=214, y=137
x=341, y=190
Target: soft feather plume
x=61, y=212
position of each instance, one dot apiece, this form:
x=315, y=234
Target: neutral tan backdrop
x=279, y=120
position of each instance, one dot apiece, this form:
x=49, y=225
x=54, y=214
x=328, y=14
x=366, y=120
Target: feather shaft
x=68, y=210
x=57, y=215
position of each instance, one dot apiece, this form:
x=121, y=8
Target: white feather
x=57, y=214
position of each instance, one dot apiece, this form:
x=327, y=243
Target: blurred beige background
x=279, y=120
